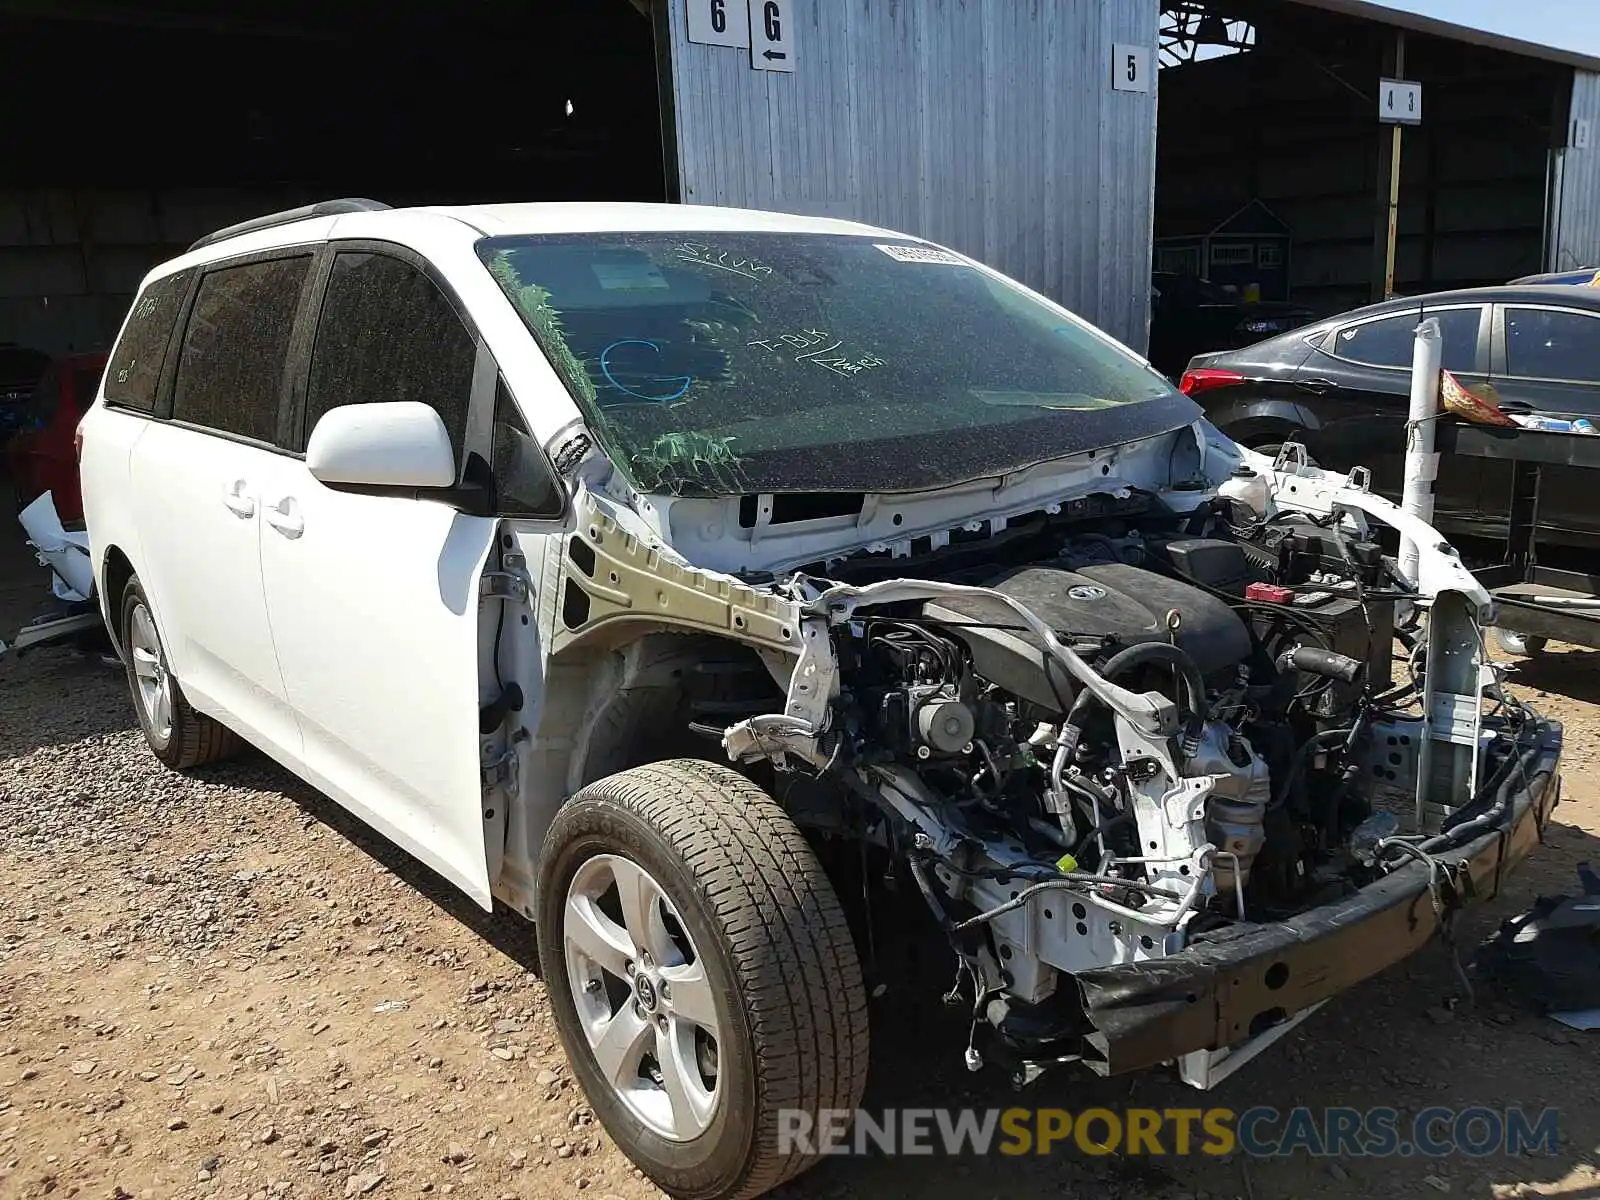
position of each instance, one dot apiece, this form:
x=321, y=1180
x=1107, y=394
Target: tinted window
x=135, y=366
x=21, y=368
x=85, y=381
x=1460, y=329
x=1547, y=344
x=524, y=480
x=388, y=333
x=738, y=362
x=230, y=371
x=1392, y=341
x=41, y=407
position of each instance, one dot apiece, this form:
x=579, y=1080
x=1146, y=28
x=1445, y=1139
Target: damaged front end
x=1168, y=777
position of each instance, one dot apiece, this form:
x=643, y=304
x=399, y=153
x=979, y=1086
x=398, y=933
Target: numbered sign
x=1130, y=68
x=1399, y=102
x=772, y=34
x=719, y=23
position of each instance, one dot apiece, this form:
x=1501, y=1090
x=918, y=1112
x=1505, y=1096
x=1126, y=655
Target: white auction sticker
x=921, y=254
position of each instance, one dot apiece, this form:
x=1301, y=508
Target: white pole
x=1422, y=463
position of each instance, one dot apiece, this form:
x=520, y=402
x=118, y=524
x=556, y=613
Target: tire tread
x=786, y=933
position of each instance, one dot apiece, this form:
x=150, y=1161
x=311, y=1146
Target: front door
x=373, y=598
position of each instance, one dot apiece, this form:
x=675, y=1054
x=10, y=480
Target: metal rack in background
x=1573, y=615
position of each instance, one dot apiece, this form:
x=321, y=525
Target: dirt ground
x=218, y=985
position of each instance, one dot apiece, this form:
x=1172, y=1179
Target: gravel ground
x=218, y=985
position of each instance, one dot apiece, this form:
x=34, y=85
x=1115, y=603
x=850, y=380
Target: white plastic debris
x=66, y=554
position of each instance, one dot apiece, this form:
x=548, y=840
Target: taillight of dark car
x=1207, y=379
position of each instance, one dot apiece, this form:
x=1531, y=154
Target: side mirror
x=402, y=444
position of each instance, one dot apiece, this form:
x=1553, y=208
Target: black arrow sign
x=771, y=54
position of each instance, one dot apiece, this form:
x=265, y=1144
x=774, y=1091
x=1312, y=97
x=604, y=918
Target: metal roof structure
x=1368, y=10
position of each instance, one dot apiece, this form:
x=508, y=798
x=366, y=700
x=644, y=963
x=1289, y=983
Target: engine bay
x=1105, y=738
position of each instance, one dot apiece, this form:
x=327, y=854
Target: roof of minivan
x=500, y=219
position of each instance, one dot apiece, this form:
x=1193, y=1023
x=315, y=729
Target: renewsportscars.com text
x=1476, y=1132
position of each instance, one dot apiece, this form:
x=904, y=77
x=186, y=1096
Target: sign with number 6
x=718, y=22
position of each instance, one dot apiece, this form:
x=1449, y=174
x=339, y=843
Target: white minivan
x=623, y=562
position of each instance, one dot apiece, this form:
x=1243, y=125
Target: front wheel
x=702, y=975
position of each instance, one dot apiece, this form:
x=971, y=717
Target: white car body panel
x=197, y=502
x=374, y=609
x=361, y=657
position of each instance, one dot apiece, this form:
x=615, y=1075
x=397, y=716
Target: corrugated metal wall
x=1577, y=243
x=987, y=125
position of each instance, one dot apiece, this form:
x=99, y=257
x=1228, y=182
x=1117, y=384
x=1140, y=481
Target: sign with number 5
x=1130, y=68
x=718, y=22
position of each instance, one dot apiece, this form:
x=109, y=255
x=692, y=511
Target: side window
x=1385, y=343
x=230, y=370
x=45, y=399
x=1459, y=327
x=524, y=481
x=1391, y=342
x=1544, y=343
x=387, y=333
x=135, y=365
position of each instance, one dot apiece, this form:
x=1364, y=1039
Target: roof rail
x=324, y=208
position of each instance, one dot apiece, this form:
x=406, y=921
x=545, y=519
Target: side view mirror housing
x=402, y=445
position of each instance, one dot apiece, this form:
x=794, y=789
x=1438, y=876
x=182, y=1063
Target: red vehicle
x=41, y=457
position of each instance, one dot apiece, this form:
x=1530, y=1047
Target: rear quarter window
x=134, y=369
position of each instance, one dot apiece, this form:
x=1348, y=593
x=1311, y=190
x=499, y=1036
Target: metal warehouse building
x=1072, y=143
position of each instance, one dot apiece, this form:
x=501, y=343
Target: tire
x=1270, y=449
x=1523, y=645
x=745, y=902
x=180, y=737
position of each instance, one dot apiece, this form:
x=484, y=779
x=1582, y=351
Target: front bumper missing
x=1244, y=984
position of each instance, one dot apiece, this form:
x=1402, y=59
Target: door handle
x=1317, y=387
x=241, y=505
x=284, y=516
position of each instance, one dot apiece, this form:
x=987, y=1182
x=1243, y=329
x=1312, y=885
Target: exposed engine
x=1141, y=730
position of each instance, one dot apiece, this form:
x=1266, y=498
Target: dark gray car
x=1341, y=387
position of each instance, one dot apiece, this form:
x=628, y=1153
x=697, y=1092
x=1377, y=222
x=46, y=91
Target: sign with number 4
x=1399, y=103
x=719, y=23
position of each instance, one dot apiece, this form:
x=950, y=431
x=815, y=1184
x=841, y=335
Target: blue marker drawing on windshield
x=683, y=382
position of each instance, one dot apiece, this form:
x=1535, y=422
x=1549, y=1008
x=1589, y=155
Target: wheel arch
x=116, y=569
x=608, y=708
x=1253, y=422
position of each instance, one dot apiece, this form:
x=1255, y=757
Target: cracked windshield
x=713, y=364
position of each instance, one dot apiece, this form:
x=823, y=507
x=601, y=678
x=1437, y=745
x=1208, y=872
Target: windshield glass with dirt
x=731, y=363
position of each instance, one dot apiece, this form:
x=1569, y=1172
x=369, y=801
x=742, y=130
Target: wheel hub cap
x=153, y=681
x=645, y=1003
x=646, y=992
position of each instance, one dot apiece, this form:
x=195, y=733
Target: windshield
x=731, y=363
